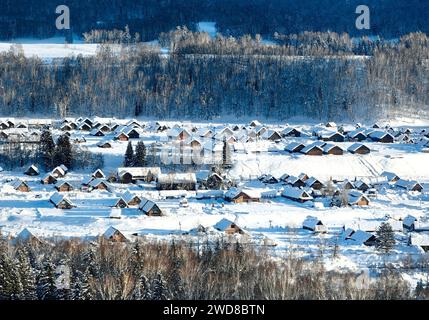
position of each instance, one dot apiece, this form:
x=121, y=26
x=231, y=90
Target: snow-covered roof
x=311, y=147
x=110, y=232
x=96, y=182
x=360, y=236
x=57, y=198
x=292, y=179
x=25, y=234
x=353, y=134
x=296, y=193
x=223, y=224
x=293, y=146
x=177, y=178
x=146, y=205
x=329, y=146
x=99, y=172
x=61, y=169
x=311, y=222
x=379, y=134
x=409, y=220
x=312, y=180
x=127, y=196
x=96, y=131
x=17, y=183
x=406, y=184
x=389, y=175
x=34, y=168
x=175, y=132
x=139, y=171
x=355, y=146
x=355, y=196
x=61, y=183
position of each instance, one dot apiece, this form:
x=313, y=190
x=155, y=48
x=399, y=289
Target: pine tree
x=81, y=288
x=47, y=150
x=142, y=290
x=175, y=282
x=90, y=263
x=10, y=285
x=226, y=155
x=26, y=274
x=46, y=286
x=63, y=152
x=140, y=155
x=129, y=155
x=385, y=238
x=159, y=289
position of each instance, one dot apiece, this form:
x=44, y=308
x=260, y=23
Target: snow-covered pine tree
x=81, y=289
x=175, y=282
x=137, y=259
x=129, y=155
x=90, y=263
x=140, y=155
x=63, y=152
x=142, y=290
x=26, y=274
x=385, y=238
x=46, y=150
x=10, y=286
x=46, y=285
x=159, y=288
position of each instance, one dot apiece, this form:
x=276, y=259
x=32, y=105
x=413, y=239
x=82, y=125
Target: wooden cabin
x=331, y=149
x=356, y=198
x=114, y=235
x=32, y=171
x=358, y=148
x=98, y=174
x=294, y=147
x=61, y=202
x=63, y=186
x=122, y=136
x=314, y=224
x=98, y=184
x=240, y=196
x=134, y=174
x=150, y=208
x=228, y=227
x=296, y=194
x=131, y=199
x=312, y=150
x=48, y=179
x=21, y=186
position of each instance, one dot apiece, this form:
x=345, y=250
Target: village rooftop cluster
x=205, y=194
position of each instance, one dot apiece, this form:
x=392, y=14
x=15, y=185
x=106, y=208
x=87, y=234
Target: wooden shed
x=63, y=186
x=150, y=208
x=32, y=171
x=114, y=235
x=228, y=227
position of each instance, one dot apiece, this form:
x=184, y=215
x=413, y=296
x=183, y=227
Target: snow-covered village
x=320, y=189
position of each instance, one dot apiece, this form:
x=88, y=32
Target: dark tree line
x=234, y=77
x=135, y=158
x=391, y=19
x=75, y=270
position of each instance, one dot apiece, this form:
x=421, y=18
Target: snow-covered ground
x=278, y=218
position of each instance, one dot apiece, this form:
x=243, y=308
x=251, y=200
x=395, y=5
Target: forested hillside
x=328, y=77
x=390, y=19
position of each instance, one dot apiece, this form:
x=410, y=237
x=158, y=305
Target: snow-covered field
x=276, y=218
